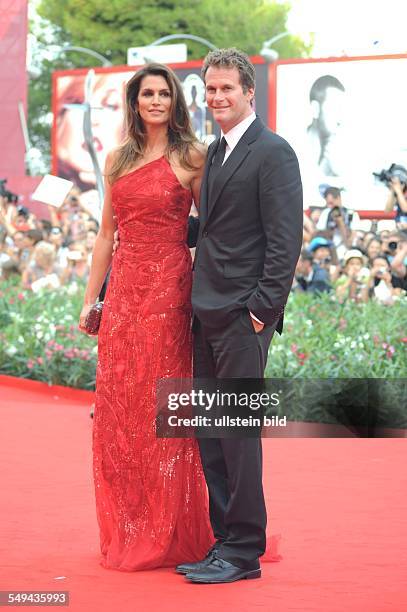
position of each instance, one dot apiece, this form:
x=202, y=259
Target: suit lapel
x=231, y=165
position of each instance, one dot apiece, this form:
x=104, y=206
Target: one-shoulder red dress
x=151, y=497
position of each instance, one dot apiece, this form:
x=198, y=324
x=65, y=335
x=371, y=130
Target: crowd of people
x=337, y=255
x=354, y=264
x=47, y=252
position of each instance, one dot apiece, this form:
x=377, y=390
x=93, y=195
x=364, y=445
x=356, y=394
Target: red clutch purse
x=92, y=321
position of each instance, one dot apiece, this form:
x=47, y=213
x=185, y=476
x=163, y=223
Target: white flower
x=21, y=340
x=366, y=336
x=11, y=350
x=40, y=335
x=352, y=344
x=72, y=288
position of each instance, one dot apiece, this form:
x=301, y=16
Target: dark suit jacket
x=250, y=231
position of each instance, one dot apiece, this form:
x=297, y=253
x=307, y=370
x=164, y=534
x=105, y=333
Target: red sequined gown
x=150, y=492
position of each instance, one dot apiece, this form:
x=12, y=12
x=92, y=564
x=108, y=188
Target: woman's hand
x=116, y=241
x=82, y=318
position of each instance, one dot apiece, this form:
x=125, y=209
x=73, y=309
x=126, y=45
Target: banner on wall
x=345, y=119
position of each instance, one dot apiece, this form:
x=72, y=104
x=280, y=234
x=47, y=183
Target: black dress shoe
x=219, y=570
x=185, y=568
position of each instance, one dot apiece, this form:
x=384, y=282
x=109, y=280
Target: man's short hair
x=333, y=191
x=232, y=58
x=318, y=90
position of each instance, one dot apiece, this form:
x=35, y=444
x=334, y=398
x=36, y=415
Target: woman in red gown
x=150, y=492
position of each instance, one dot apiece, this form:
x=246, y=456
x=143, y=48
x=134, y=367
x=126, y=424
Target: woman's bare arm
x=102, y=251
x=198, y=155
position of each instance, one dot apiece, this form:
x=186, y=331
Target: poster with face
x=345, y=119
x=71, y=159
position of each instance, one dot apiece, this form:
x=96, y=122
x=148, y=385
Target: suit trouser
x=233, y=466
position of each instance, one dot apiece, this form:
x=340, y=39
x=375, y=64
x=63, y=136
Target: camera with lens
x=380, y=272
x=334, y=214
x=395, y=171
x=324, y=261
x=12, y=198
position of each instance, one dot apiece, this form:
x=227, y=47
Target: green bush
x=321, y=339
x=40, y=337
x=325, y=339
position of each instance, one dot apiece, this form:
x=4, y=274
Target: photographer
x=309, y=276
x=397, y=199
x=399, y=262
x=324, y=256
x=337, y=220
x=353, y=284
x=381, y=282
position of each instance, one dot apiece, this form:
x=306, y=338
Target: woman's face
x=367, y=238
x=106, y=123
x=43, y=260
x=154, y=100
x=373, y=249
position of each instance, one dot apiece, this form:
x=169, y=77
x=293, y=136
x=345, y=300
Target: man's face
x=331, y=112
x=303, y=267
x=226, y=98
x=321, y=254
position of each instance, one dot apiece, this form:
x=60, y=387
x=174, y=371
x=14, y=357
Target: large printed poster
x=71, y=159
x=346, y=120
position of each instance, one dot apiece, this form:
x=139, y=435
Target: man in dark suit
x=249, y=240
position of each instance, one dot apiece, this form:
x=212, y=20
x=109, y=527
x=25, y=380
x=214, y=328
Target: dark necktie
x=216, y=164
x=220, y=153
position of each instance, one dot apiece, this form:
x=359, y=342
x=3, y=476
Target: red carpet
x=340, y=505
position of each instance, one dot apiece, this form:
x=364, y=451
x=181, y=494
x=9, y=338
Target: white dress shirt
x=232, y=138
x=235, y=134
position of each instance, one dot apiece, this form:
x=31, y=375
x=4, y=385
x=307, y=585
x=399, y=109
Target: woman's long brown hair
x=180, y=134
